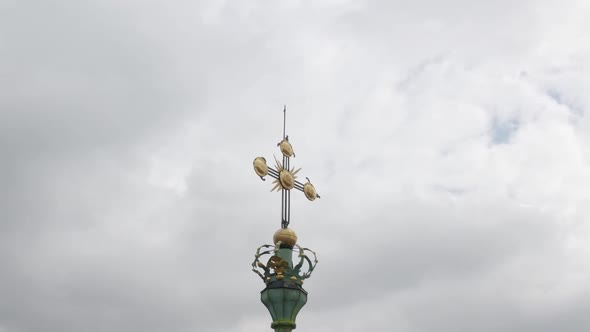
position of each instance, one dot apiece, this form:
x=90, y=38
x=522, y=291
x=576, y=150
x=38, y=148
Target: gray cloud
x=127, y=131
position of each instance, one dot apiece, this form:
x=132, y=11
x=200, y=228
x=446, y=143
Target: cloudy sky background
x=450, y=142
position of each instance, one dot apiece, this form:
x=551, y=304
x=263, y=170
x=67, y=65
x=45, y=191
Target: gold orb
x=287, y=180
x=309, y=191
x=260, y=166
x=286, y=148
x=286, y=236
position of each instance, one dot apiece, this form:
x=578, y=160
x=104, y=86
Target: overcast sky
x=449, y=140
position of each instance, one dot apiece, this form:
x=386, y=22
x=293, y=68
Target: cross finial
x=285, y=177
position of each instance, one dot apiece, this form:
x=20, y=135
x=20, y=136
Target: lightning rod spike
x=284, y=119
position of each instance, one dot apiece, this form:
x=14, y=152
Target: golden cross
x=285, y=177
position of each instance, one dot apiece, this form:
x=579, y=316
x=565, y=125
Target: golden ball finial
x=287, y=236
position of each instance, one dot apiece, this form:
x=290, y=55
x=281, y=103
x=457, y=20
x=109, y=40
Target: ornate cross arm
x=263, y=170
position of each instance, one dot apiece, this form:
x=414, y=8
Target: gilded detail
x=285, y=176
x=277, y=268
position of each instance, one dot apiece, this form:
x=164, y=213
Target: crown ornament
x=279, y=268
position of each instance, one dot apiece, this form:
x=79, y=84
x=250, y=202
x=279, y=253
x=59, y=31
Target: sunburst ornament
x=285, y=178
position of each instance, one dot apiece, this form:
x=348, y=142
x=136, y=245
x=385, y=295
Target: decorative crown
x=279, y=268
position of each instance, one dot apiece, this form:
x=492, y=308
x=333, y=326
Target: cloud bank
x=450, y=143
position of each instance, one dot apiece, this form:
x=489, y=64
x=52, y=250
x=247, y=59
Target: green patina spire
x=284, y=295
